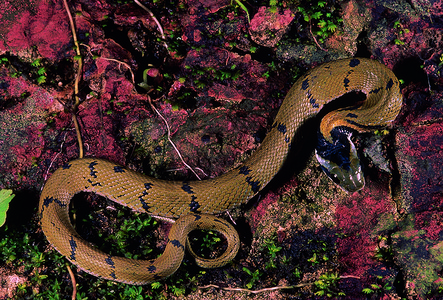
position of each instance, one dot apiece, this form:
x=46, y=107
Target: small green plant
x=133, y=292
x=384, y=252
x=242, y=6
x=273, y=250
x=441, y=60
x=381, y=132
x=4, y=60
x=42, y=75
x=327, y=285
x=36, y=62
x=228, y=73
x=297, y=273
x=400, y=31
x=378, y=288
x=5, y=198
x=208, y=242
x=255, y=277
x=273, y=6
x=41, y=71
x=322, y=17
x=320, y=254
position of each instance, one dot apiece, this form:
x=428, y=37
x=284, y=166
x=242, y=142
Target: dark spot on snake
x=66, y=166
x=194, y=205
x=351, y=115
x=221, y=222
x=390, y=84
x=244, y=170
x=148, y=185
x=119, y=169
x=187, y=188
x=94, y=184
x=281, y=127
x=354, y=62
x=73, y=245
x=346, y=82
x=177, y=244
x=312, y=100
x=110, y=262
x=374, y=91
x=49, y=200
x=92, y=168
x=286, y=139
x=152, y=269
x=206, y=138
x=197, y=217
x=158, y=149
x=145, y=206
x=113, y=275
x=305, y=84
x=255, y=185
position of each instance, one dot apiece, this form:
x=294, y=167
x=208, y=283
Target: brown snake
x=192, y=203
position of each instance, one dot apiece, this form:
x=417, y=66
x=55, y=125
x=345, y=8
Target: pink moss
x=261, y=209
x=46, y=29
x=357, y=220
x=266, y=21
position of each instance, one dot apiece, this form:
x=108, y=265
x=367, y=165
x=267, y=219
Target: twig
x=230, y=217
x=315, y=40
x=255, y=291
x=77, y=80
x=111, y=59
x=74, y=283
x=53, y=159
x=196, y=168
x=285, y=287
x=169, y=138
x=159, y=26
x=122, y=63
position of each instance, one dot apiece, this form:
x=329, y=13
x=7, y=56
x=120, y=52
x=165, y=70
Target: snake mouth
x=339, y=160
x=350, y=180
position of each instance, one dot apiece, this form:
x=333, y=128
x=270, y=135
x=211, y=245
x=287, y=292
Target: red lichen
x=357, y=220
x=45, y=28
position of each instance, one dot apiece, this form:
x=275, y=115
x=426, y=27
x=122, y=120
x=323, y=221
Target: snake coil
x=193, y=203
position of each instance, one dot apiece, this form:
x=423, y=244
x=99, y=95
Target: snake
x=194, y=204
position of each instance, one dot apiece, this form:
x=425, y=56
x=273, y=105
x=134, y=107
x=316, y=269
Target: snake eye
x=335, y=174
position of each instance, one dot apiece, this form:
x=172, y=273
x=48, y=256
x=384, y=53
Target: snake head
x=339, y=160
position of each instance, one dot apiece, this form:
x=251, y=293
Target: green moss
x=322, y=16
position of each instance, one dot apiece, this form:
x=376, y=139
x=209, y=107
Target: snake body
x=193, y=203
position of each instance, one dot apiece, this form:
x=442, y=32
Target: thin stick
x=315, y=40
x=285, y=287
x=169, y=138
x=159, y=26
x=74, y=283
x=53, y=160
x=255, y=291
x=77, y=80
x=111, y=59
